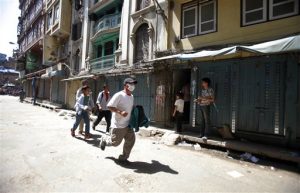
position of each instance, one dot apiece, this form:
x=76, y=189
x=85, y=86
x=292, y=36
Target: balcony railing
x=104, y=62
x=107, y=22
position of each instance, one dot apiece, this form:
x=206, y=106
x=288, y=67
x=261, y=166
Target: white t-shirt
x=122, y=102
x=179, y=103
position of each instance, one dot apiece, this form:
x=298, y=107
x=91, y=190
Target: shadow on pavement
x=94, y=140
x=144, y=167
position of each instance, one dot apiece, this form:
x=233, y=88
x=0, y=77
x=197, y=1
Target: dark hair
x=84, y=82
x=207, y=80
x=84, y=88
x=179, y=94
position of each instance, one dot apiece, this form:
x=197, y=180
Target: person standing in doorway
x=205, y=100
x=103, y=111
x=179, y=111
x=187, y=98
x=78, y=95
x=83, y=106
x=121, y=106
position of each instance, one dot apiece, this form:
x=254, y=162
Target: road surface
x=39, y=155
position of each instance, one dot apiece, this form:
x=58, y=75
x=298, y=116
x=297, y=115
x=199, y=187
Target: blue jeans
x=85, y=116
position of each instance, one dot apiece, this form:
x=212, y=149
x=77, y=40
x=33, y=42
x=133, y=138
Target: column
x=85, y=35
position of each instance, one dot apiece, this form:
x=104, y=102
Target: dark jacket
x=138, y=118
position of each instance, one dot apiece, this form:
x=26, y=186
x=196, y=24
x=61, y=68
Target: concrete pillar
x=85, y=35
x=90, y=51
x=125, y=31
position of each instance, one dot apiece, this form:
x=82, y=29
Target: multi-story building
x=143, y=35
x=30, y=40
x=253, y=85
x=169, y=46
x=56, y=53
x=95, y=39
x=43, y=35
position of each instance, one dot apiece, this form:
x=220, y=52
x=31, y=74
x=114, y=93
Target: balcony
x=107, y=22
x=104, y=62
x=58, y=18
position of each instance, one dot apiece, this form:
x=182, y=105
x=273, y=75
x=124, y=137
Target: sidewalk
x=242, y=146
x=44, y=103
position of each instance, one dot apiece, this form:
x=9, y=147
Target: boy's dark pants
x=179, y=120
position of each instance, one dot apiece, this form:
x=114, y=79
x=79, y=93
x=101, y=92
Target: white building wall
x=132, y=19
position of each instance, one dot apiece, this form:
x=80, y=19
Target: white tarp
x=277, y=46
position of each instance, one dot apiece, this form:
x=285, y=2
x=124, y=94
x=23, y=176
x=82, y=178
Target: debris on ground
x=249, y=157
x=170, y=138
x=62, y=113
x=197, y=147
x=184, y=144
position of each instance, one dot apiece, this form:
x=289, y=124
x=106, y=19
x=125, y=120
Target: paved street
x=39, y=155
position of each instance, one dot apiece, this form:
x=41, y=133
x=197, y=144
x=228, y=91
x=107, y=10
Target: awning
x=9, y=85
x=79, y=77
x=7, y=70
x=289, y=44
x=57, y=73
x=37, y=73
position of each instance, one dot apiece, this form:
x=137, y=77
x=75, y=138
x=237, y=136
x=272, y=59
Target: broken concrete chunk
x=170, y=138
x=197, y=147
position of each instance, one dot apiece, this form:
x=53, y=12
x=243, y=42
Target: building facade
x=253, y=91
x=169, y=46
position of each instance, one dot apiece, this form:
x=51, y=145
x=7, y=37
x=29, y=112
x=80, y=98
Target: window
x=76, y=31
x=207, y=17
x=189, y=22
x=99, y=51
x=108, y=48
x=199, y=17
x=283, y=8
x=117, y=44
x=141, y=4
x=78, y=4
x=142, y=43
x=56, y=13
x=49, y=20
x=256, y=11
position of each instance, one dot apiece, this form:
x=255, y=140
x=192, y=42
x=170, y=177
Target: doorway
x=182, y=83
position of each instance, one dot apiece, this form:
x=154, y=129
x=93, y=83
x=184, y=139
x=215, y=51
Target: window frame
x=269, y=12
x=49, y=19
x=56, y=15
x=271, y=6
x=214, y=20
x=244, y=12
x=196, y=21
x=197, y=4
x=140, y=5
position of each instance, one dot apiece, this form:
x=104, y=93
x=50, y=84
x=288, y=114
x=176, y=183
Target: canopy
x=79, y=77
x=288, y=44
x=8, y=70
x=9, y=85
x=57, y=73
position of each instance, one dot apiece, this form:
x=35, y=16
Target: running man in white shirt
x=121, y=105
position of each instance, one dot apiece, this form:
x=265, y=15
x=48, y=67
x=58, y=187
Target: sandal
x=87, y=136
x=72, y=133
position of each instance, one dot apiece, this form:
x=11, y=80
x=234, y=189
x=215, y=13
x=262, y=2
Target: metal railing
x=102, y=63
x=107, y=22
